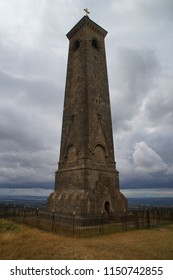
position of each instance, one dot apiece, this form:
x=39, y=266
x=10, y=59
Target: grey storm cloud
x=33, y=60
x=135, y=74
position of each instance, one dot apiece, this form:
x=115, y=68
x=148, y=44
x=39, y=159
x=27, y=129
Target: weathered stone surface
x=87, y=181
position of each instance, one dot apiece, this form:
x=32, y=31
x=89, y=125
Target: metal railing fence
x=83, y=226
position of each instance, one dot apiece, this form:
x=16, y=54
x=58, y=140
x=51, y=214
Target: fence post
x=171, y=213
x=101, y=223
x=36, y=218
x=137, y=218
x=14, y=212
x=5, y=211
x=158, y=216
x=53, y=219
x=74, y=216
x=148, y=218
x=124, y=219
x=142, y=214
x=161, y=214
x=24, y=215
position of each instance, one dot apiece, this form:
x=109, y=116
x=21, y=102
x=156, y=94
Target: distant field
x=21, y=242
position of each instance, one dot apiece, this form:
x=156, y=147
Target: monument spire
x=87, y=181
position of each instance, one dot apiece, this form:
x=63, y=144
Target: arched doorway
x=107, y=206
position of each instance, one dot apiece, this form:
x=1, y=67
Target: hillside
x=21, y=242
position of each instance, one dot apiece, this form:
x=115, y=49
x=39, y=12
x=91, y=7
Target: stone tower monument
x=87, y=181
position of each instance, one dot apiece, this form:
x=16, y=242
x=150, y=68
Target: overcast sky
x=33, y=60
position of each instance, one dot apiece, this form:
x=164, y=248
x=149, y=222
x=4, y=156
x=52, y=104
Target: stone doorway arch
x=107, y=207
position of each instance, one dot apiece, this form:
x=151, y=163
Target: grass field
x=21, y=242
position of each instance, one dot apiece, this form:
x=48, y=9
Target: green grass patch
x=8, y=226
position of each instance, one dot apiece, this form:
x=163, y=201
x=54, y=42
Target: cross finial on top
x=87, y=12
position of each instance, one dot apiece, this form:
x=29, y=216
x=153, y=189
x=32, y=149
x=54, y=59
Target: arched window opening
x=99, y=154
x=95, y=43
x=71, y=154
x=76, y=45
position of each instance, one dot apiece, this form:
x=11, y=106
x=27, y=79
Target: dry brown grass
x=22, y=242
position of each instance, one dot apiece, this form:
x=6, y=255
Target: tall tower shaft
x=87, y=181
